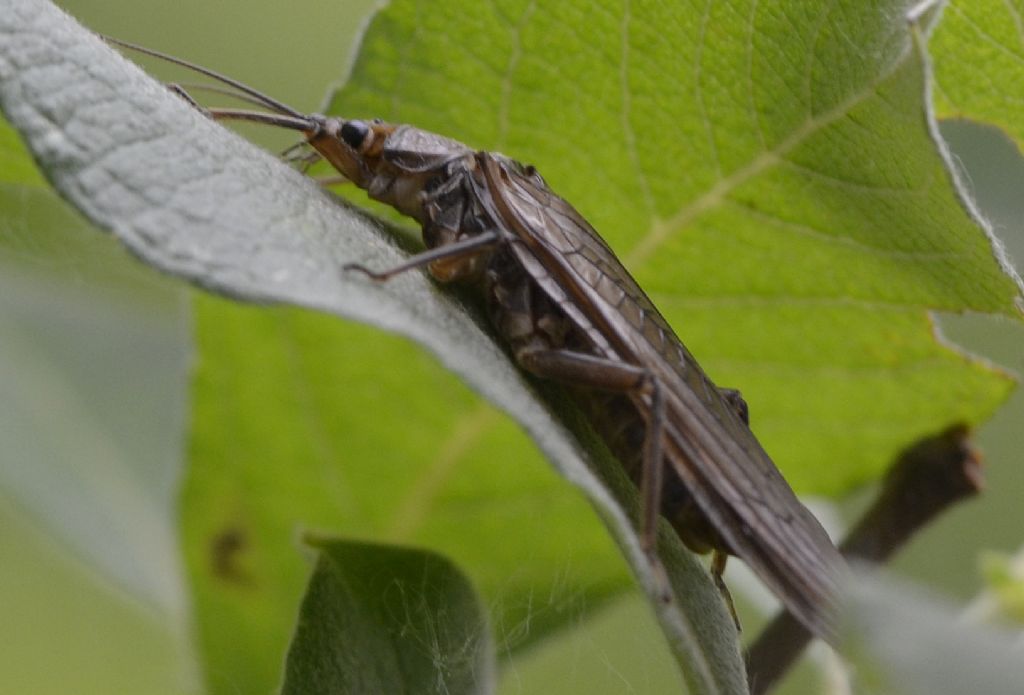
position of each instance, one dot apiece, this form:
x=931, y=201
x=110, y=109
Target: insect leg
x=181, y=92
x=653, y=472
x=302, y=156
x=466, y=247
x=718, y=560
x=583, y=369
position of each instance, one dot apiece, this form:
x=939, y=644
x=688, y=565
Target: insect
x=568, y=310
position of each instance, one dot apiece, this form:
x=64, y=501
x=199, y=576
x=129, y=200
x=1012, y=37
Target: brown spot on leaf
x=227, y=549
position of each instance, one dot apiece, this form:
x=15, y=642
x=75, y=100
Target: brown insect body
x=554, y=287
x=568, y=310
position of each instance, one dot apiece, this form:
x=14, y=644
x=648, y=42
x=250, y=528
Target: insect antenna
x=283, y=116
x=259, y=97
x=216, y=89
x=300, y=122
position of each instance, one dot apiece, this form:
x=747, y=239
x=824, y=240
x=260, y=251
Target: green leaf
x=977, y=50
x=770, y=178
x=91, y=431
x=804, y=297
x=15, y=164
x=789, y=283
x=378, y=619
x=195, y=201
x=373, y=439
x=53, y=605
x=765, y=170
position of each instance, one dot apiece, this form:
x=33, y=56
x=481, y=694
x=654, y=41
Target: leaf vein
x=837, y=239
x=1015, y=16
x=662, y=229
x=837, y=181
x=421, y=496
x=629, y=135
x=698, y=82
x=986, y=36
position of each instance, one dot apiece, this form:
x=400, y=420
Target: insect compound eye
x=531, y=173
x=354, y=133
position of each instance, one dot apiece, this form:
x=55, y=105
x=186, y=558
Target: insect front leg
x=582, y=369
x=183, y=93
x=458, y=250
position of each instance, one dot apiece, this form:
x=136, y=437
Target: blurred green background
x=82, y=325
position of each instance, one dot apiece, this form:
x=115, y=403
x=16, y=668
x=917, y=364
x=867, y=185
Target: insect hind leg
x=582, y=369
x=718, y=561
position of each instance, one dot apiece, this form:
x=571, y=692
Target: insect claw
x=372, y=274
x=293, y=151
x=660, y=575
